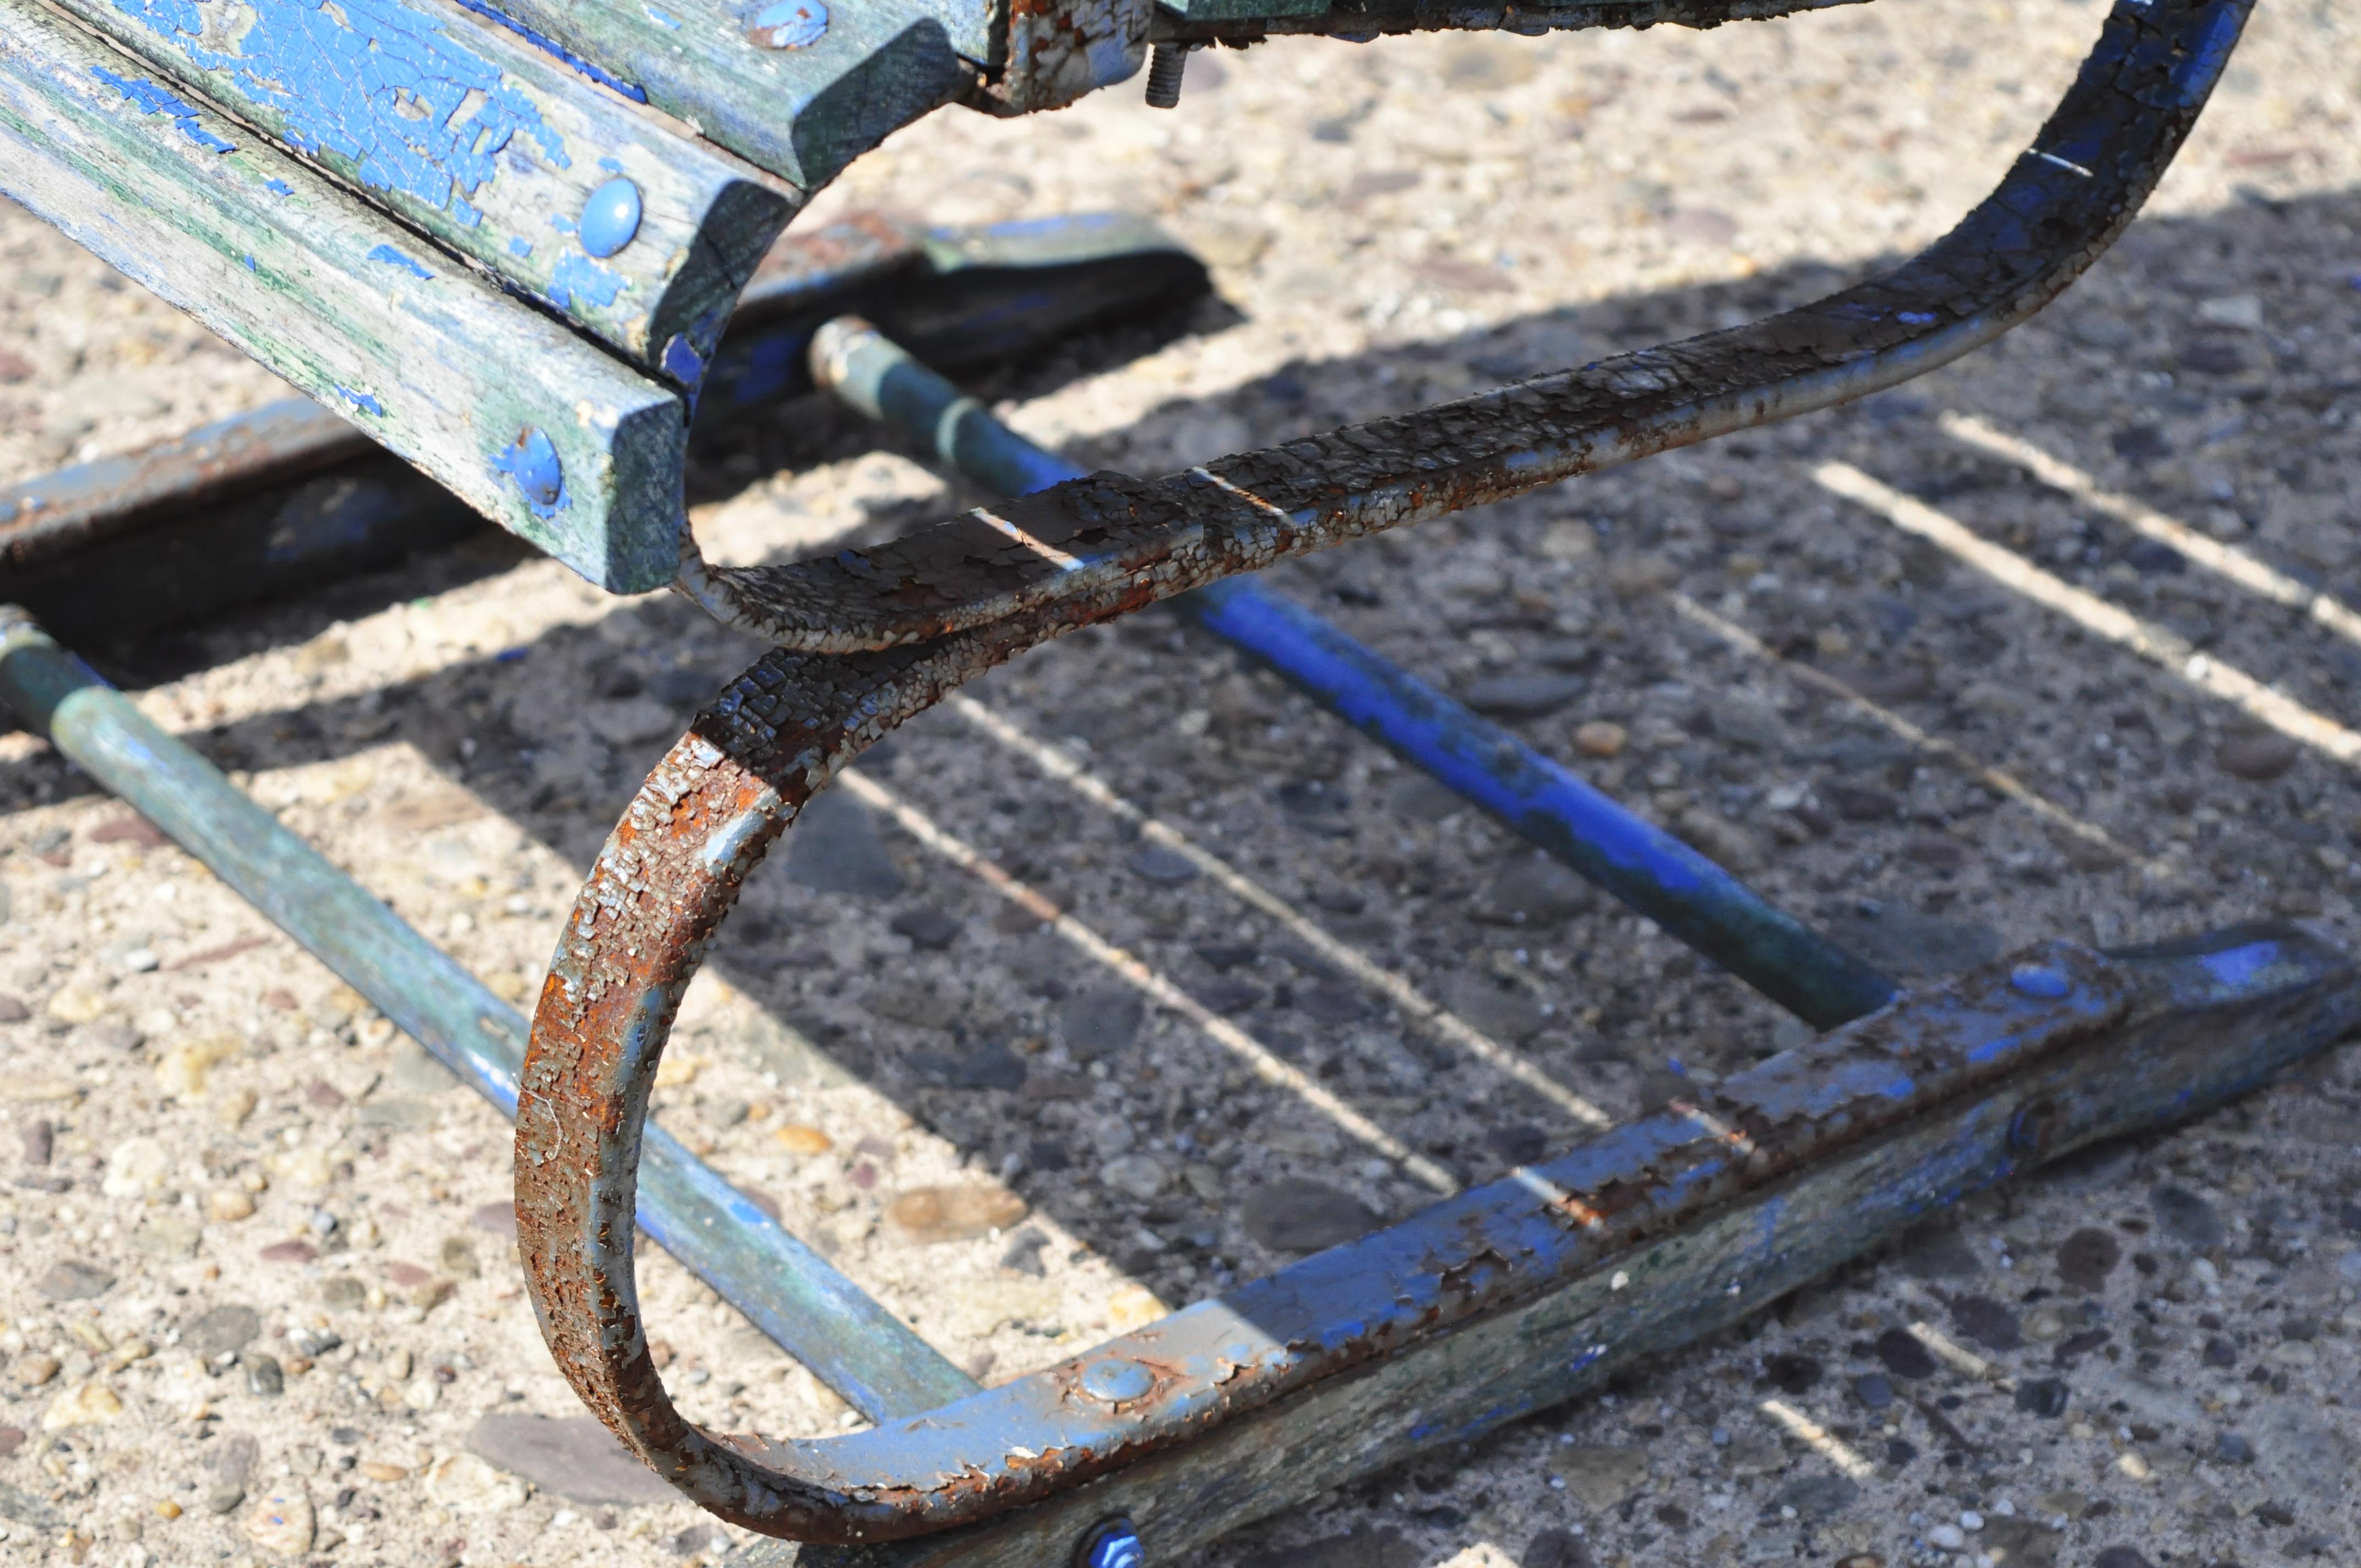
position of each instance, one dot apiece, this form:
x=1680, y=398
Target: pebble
x=1523, y=696
x=2185, y=1217
x=1298, y=1214
x=1987, y=1322
x=1904, y=1355
x=1599, y=1476
x=1510, y=1015
x=926, y=927
x=835, y=847
x=798, y=1139
x=987, y=1064
x=1950, y=1536
x=135, y=1168
x=35, y=1370
x=2045, y=1397
x=283, y=1522
x=574, y=1457
x=1534, y=891
x=13, y=1009
x=76, y=1005
x=73, y=1280
x=1935, y=1250
x=264, y=1376
x=229, y=1204
x=1791, y=1373
x=1817, y=1498
x=927, y=1216
x=2087, y=1258
x=220, y=1329
x=1873, y=1389
x=1164, y=866
x=2261, y=757
x=1136, y=1174
x=2229, y=1448
x=1601, y=738
x=83, y=1405
x=1101, y=1021
x=39, y=1140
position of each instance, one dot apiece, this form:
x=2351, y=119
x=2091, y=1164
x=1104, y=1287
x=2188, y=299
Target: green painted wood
x=490, y=146
x=430, y=359
x=801, y=87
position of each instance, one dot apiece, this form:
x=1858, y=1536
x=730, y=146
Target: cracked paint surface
x=412, y=107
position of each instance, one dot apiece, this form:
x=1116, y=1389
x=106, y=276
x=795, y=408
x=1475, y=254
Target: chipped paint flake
x=151, y=99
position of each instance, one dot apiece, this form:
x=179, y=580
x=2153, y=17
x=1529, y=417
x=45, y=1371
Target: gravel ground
x=260, y=1304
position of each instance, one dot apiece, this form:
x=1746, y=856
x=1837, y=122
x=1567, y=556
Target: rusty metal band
x=954, y=603
x=2059, y=207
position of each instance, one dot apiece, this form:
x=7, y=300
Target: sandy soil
x=242, y=1151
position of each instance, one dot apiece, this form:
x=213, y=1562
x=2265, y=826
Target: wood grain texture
x=429, y=359
x=801, y=112
x=488, y=145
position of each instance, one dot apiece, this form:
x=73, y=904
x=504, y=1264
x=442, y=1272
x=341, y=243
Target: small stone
x=1904, y=1355
x=1599, y=1476
x=2043, y=1397
x=1162, y=865
x=1873, y=1389
x=927, y=1216
x=1101, y=1021
x=35, y=1370
x=76, y=1005
x=283, y=1522
x=1024, y=1254
x=1509, y=1013
x=1935, y=1250
x=2229, y=1448
x=85, y=1404
x=136, y=1168
x=1136, y=1174
x=224, y=1498
x=342, y=1293
x=180, y=1070
x=1534, y=892
x=1298, y=1214
x=926, y=927
x=287, y=1252
x=1817, y=1498
x=264, y=1377
x=13, y=1009
x=1134, y=1307
x=1987, y=1322
x=576, y=1457
x=229, y=1204
x=1790, y=1373
x=2185, y=1217
x=220, y=1329
x=73, y=1280
x=2259, y=756
x=2087, y=1258
x=835, y=847
x=39, y=1140
x=1755, y=1456
x=1523, y=696
x=167, y=1509
x=1601, y=738
x=799, y=1139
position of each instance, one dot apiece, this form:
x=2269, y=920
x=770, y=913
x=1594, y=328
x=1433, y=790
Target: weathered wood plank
x=641, y=234
x=802, y=87
x=531, y=424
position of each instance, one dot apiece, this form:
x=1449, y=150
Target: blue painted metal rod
x=791, y=1293
x=1632, y=858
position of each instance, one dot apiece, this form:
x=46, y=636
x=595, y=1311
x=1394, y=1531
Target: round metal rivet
x=1115, y=1381
x=2041, y=980
x=1111, y=1544
x=533, y=463
x=788, y=24
x=611, y=218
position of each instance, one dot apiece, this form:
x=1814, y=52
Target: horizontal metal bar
x=2134, y=1040
x=786, y=1290
x=1632, y=858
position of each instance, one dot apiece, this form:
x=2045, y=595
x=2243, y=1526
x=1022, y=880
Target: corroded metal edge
x=2057, y=211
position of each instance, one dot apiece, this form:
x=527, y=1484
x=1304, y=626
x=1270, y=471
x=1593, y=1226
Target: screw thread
x=1166, y=63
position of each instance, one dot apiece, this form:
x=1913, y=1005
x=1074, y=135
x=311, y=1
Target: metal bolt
x=611, y=217
x=533, y=462
x=1115, y=1381
x=2041, y=980
x=1166, y=63
x=1111, y=1544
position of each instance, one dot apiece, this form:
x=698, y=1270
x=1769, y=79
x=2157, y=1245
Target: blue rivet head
x=2041, y=980
x=1114, y=1380
x=611, y=217
x=788, y=24
x=1111, y=1544
x=532, y=463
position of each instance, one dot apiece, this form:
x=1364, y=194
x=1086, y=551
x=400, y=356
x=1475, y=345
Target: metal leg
x=2098, y=1045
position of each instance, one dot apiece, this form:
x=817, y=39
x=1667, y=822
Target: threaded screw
x=1166, y=63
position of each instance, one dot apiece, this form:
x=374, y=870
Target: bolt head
x=611, y=218
x=1114, y=1380
x=1112, y=1544
x=533, y=462
x=2040, y=980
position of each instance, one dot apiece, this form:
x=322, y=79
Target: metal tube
x=1632, y=858
x=786, y=1290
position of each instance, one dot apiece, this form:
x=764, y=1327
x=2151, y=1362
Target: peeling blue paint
x=520, y=247
x=151, y=99
x=579, y=282
x=393, y=258
x=279, y=187
x=551, y=46
x=681, y=362
x=408, y=106
x=660, y=18
x=249, y=263
x=364, y=401
x=533, y=462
